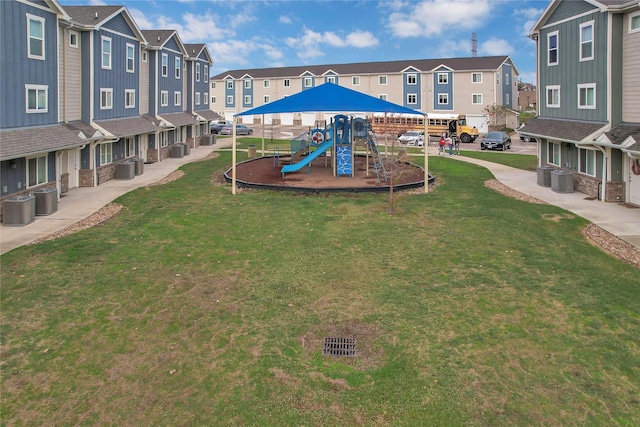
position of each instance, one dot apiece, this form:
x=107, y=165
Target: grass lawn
x=196, y=307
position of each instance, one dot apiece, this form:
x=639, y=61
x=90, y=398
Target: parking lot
x=289, y=132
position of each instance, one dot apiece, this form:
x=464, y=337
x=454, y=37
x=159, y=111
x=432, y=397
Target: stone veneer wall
x=86, y=177
x=615, y=191
x=64, y=183
x=152, y=155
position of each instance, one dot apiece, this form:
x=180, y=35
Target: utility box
x=19, y=210
x=186, y=148
x=561, y=181
x=544, y=175
x=177, y=151
x=208, y=139
x=125, y=170
x=46, y=201
x=139, y=166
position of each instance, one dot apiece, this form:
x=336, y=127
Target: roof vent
x=158, y=38
x=96, y=15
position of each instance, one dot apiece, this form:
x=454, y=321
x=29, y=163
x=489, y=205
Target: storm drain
x=339, y=347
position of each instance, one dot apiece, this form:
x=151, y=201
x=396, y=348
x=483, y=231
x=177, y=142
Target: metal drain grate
x=339, y=347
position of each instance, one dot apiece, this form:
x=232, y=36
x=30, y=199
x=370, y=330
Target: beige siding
x=465, y=88
x=631, y=75
x=70, y=78
x=144, y=85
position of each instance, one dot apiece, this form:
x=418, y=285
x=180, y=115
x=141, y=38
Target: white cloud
x=311, y=43
x=435, y=17
x=141, y=20
x=285, y=20
x=493, y=47
x=243, y=52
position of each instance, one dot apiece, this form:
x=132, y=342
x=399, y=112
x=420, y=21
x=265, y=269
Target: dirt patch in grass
x=369, y=351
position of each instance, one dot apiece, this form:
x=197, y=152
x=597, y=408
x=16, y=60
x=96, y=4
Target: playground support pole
x=263, y=135
x=233, y=156
x=426, y=155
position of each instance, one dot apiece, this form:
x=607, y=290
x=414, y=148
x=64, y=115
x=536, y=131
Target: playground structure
x=341, y=138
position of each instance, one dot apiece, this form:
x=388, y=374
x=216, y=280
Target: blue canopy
x=330, y=97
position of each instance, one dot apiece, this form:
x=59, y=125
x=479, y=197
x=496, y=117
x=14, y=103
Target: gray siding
x=571, y=71
x=569, y=9
x=119, y=24
x=17, y=70
x=170, y=83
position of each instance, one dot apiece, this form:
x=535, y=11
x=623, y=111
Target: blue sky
x=277, y=33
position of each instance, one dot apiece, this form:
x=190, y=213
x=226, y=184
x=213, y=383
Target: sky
x=243, y=34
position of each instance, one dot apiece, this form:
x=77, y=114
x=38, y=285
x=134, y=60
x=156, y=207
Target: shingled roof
x=91, y=16
x=39, y=139
x=621, y=132
x=561, y=129
x=458, y=64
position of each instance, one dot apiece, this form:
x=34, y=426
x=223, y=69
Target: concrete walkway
x=79, y=203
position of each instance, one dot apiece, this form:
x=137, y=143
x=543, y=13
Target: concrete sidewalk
x=616, y=218
x=81, y=202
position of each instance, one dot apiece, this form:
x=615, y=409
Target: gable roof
x=195, y=49
x=94, y=17
x=330, y=97
x=489, y=63
x=158, y=38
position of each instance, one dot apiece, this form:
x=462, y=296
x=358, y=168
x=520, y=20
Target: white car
x=413, y=137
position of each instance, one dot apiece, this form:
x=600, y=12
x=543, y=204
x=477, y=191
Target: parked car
x=240, y=130
x=412, y=137
x=216, y=126
x=496, y=141
x=527, y=138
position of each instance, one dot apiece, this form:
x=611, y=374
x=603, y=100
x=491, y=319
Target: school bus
x=453, y=124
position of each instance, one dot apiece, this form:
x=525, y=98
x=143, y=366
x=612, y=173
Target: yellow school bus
x=454, y=124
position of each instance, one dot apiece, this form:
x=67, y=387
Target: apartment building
x=451, y=85
x=589, y=95
x=84, y=89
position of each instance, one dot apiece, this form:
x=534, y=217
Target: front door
x=634, y=181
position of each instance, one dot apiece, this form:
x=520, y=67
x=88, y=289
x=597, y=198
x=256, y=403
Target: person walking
x=449, y=141
x=443, y=139
x=456, y=146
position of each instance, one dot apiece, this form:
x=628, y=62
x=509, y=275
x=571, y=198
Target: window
x=106, y=53
x=331, y=79
x=412, y=79
x=230, y=100
x=73, y=39
x=206, y=73
x=552, y=46
x=443, y=98
x=205, y=96
x=412, y=98
x=165, y=65
x=198, y=98
x=382, y=80
x=476, y=78
x=247, y=99
x=144, y=56
x=177, y=98
x=164, y=98
x=553, y=153
x=355, y=80
x=178, y=68
x=247, y=84
x=506, y=78
x=197, y=72
x=213, y=85
x=308, y=81
x=587, y=163
x=37, y=98
x=129, y=147
x=634, y=22
x=553, y=96
x=476, y=99
x=443, y=78
x=229, y=84
x=213, y=99
x=286, y=83
x=267, y=99
x=164, y=139
x=266, y=83
x=587, y=96
x=586, y=41
x=106, y=99
x=37, y=170
x=383, y=96
x=35, y=42
x=106, y=153
x=131, y=58
x=129, y=98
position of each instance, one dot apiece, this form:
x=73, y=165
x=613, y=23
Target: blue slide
x=308, y=159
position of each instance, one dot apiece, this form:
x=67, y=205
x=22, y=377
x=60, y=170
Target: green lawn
x=196, y=307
